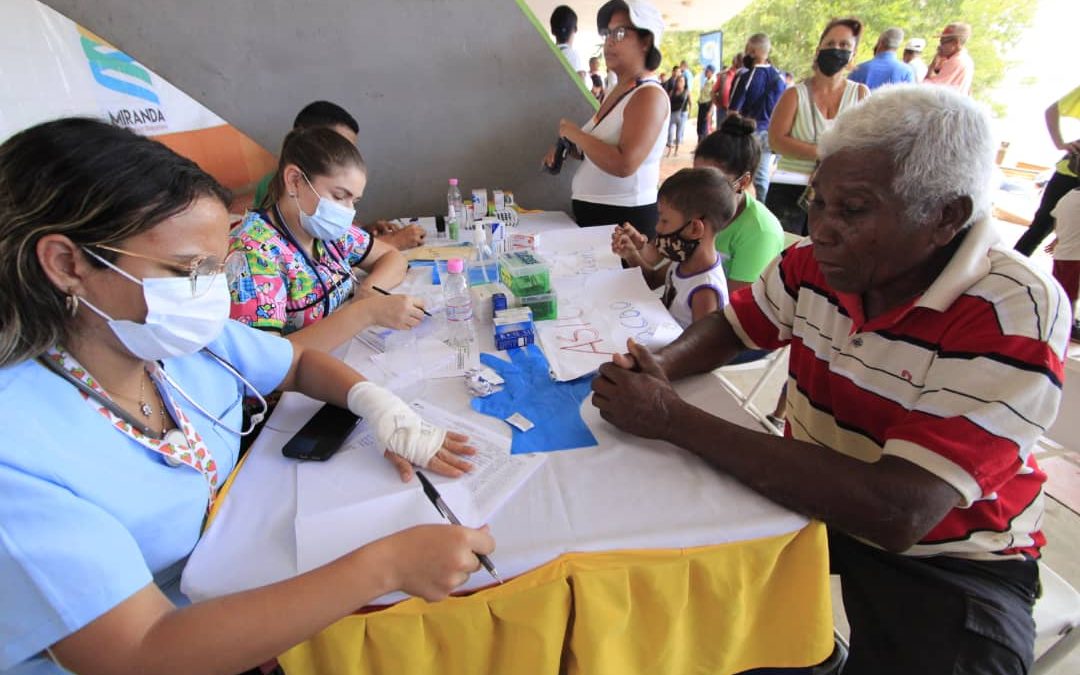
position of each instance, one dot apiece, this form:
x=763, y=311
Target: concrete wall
x=441, y=88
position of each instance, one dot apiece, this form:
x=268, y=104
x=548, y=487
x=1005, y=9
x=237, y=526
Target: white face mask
x=176, y=323
x=330, y=222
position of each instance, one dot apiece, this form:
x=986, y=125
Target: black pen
x=386, y=292
x=436, y=499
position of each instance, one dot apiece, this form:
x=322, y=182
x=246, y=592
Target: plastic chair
x=770, y=363
x=1057, y=614
x=768, y=366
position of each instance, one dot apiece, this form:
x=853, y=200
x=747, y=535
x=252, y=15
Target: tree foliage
x=794, y=27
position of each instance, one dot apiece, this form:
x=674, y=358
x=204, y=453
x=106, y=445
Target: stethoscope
x=173, y=436
x=284, y=230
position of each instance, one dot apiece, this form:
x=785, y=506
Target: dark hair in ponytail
x=733, y=146
x=317, y=151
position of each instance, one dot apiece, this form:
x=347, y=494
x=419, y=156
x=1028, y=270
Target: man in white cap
x=913, y=57
x=953, y=66
x=620, y=147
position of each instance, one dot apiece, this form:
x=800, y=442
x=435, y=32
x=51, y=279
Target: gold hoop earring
x=71, y=303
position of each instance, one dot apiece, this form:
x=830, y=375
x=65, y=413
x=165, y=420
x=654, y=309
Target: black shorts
x=934, y=615
x=643, y=218
x=783, y=201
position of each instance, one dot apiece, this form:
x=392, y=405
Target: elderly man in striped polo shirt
x=926, y=360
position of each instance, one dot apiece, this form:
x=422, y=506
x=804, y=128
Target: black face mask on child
x=673, y=247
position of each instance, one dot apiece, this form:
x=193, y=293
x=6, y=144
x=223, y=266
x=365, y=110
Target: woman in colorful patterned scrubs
x=120, y=386
x=302, y=251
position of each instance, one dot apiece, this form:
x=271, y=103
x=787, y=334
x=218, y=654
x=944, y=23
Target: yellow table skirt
x=715, y=609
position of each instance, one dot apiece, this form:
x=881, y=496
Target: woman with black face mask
x=804, y=112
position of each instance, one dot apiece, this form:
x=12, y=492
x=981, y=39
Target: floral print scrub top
x=279, y=289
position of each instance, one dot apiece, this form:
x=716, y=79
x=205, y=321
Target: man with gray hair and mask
x=885, y=67
x=755, y=93
x=926, y=360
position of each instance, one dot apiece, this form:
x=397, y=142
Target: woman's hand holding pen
x=430, y=561
x=400, y=312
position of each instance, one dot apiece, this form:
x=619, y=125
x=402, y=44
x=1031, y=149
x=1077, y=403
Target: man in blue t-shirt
x=885, y=67
x=754, y=95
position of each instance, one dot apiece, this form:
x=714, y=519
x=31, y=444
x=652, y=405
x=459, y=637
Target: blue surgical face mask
x=330, y=222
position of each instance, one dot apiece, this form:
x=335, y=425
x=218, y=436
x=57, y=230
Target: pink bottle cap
x=455, y=265
x=453, y=181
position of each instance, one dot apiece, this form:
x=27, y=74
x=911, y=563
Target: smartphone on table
x=323, y=434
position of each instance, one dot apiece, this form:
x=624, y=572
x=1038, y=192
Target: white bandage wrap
x=397, y=427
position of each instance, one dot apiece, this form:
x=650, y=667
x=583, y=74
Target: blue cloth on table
x=554, y=407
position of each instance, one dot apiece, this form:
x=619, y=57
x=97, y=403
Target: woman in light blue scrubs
x=121, y=383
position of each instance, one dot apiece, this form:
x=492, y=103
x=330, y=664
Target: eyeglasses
x=202, y=270
x=619, y=33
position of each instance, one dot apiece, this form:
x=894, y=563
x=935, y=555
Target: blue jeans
x=675, y=129
x=761, y=175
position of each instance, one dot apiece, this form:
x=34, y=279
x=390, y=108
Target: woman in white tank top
x=806, y=111
x=621, y=146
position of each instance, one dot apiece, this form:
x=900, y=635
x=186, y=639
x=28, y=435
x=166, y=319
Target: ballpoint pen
x=386, y=292
x=436, y=499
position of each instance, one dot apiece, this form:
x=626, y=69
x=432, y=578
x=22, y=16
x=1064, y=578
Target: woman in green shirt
x=754, y=238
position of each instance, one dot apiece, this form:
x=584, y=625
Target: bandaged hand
x=408, y=439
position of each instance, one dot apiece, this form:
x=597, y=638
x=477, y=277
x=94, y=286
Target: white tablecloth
x=626, y=493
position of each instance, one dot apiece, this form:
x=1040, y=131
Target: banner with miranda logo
x=53, y=67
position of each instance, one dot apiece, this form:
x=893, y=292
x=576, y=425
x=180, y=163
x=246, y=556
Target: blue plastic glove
x=554, y=407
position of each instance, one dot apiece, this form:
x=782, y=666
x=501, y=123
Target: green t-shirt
x=750, y=242
x=262, y=188
x=1069, y=106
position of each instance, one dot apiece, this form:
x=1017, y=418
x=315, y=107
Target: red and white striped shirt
x=961, y=381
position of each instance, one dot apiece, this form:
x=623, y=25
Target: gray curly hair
x=940, y=142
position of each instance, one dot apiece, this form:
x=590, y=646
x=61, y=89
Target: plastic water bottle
x=455, y=211
x=461, y=333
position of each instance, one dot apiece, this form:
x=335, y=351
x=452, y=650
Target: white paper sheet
x=497, y=474
x=580, y=252
x=594, y=322
x=426, y=358
x=357, y=497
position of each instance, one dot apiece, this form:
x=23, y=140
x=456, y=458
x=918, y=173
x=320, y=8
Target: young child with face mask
x=694, y=205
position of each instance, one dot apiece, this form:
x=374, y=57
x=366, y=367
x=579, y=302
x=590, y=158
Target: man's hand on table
x=401, y=238
x=380, y=227
x=405, y=238
x=633, y=393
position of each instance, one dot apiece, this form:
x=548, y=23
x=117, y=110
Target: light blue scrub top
x=87, y=514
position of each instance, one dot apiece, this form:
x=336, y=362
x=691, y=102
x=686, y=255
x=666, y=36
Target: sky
x=1047, y=67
